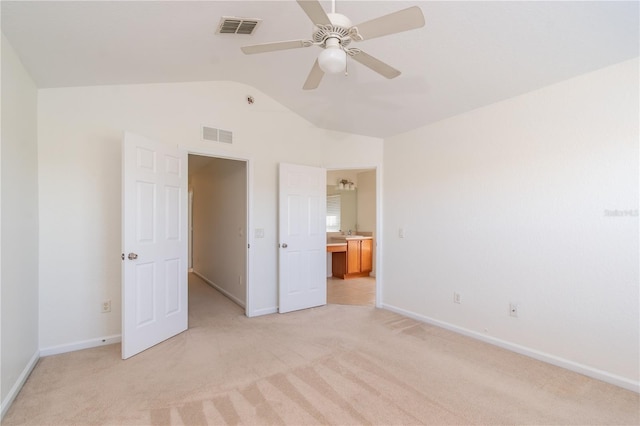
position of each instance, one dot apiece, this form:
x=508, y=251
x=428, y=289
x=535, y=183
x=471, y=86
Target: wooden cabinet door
x=353, y=256
x=366, y=248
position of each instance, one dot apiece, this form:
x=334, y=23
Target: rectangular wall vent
x=234, y=25
x=225, y=136
x=216, y=135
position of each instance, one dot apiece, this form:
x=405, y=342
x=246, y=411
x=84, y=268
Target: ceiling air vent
x=234, y=25
x=216, y=135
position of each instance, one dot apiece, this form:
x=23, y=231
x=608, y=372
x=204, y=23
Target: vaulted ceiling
x=468, y=54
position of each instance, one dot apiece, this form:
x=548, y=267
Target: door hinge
x=248, y=245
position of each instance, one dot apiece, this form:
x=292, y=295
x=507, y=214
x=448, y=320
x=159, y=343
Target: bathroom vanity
x=351, y=256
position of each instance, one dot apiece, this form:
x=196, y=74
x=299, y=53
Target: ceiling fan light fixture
x=334, y=32
x=332, y=60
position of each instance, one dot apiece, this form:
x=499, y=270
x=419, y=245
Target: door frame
x=379, y=228
x=215, y=152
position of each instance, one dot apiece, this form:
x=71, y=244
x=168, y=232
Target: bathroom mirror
x=342, y=209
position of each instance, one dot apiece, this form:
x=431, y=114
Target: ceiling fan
x=334, y=33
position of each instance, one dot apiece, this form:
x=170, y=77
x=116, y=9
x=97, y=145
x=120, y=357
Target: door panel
x=145, y=217
x=353, y=256
x=302, y=282
x=172, y=296
x=145, y=299
x=154, y=268
x=366, y=260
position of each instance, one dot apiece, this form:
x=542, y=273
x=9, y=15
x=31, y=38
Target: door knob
x=284, y=245
x=132, y=256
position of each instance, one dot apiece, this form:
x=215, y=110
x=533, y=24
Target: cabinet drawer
x=337, y=248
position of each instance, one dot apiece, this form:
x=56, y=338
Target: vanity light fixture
x=345, y=185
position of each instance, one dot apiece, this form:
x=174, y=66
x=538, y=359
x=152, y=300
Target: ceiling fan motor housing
x=339, y=29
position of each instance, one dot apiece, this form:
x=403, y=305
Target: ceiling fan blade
x=271, y=47
x=376, y=65
x=402, y=20
x=314, y=11
x=314, y=78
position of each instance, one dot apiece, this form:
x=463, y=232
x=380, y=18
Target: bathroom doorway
x=351, y=215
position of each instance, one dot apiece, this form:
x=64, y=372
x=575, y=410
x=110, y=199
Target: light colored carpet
x=336, y=364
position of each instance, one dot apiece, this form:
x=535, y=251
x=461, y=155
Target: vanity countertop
x=345, y=238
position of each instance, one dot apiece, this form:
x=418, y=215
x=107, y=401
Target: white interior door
x=303, y=237
x=154, y=226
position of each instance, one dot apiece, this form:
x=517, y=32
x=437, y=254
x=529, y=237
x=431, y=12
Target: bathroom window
x=333, y=213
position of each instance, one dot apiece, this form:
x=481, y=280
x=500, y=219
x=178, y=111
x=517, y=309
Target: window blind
x=333, y=213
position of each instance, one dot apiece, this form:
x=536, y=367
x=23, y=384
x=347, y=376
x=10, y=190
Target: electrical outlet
x=456, y=298
x=106, y=306
x=513, y=309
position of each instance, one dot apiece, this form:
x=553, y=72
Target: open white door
x=154, y=238
x=303, y=237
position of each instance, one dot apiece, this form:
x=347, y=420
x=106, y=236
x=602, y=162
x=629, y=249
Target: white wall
x=219, y=226
x=507, y=204
x=79, y=138
x=19, y=291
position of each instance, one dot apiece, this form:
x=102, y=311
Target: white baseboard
x=221, y=290
x=84, y=344
x=15, y=389
x=264, y=311
x=523, y=350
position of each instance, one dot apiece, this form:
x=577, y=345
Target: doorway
x=218, y=224
x=355, y=191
